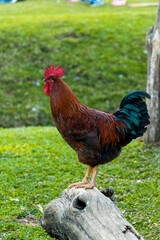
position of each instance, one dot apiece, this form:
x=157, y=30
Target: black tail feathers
x=133, y=114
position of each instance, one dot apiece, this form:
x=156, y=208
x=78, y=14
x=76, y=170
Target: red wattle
x=48, y=88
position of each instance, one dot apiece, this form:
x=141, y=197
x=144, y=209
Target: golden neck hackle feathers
x=63, y=100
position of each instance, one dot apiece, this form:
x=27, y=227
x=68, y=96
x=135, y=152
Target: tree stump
x=80, y=214
x=153, y=81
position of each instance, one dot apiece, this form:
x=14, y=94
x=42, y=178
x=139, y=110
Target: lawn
x=36, y=165
x=104, y=55
x=102, y=50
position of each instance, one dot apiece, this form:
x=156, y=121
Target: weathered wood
x=80, y=214
x=153, y=81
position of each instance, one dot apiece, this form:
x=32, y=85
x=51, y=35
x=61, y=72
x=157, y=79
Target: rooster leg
x=92, y=184
x=85, y=179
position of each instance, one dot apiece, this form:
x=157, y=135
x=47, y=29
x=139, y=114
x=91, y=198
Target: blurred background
x=102, y=50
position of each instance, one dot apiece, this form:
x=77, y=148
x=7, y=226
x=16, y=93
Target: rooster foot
x=77, y=184
x=86, y=186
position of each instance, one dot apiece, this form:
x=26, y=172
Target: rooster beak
x=44, y=80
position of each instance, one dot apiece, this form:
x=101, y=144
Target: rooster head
x=50, y=75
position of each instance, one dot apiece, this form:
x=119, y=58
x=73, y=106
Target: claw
x=84, y=183
x=77, y=184
x=86, y=186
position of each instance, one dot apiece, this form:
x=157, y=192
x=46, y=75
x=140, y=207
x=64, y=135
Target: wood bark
x=80, y=214
x=153, y=81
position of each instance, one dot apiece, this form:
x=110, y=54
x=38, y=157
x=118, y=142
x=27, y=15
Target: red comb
x=52, y=71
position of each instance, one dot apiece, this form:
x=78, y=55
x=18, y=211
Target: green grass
x=102, y=50
x=36, y=165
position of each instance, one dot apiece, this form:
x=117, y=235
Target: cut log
x=80, y=214
x=153, y=81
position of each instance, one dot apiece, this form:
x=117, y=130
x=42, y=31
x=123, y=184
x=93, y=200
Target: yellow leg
x=92, y=184
x=94, y=174
x=85, y=179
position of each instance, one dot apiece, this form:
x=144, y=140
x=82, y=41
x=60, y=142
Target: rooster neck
x=63, y=101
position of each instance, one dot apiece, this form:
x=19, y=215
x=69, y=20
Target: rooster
x=97, y=137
